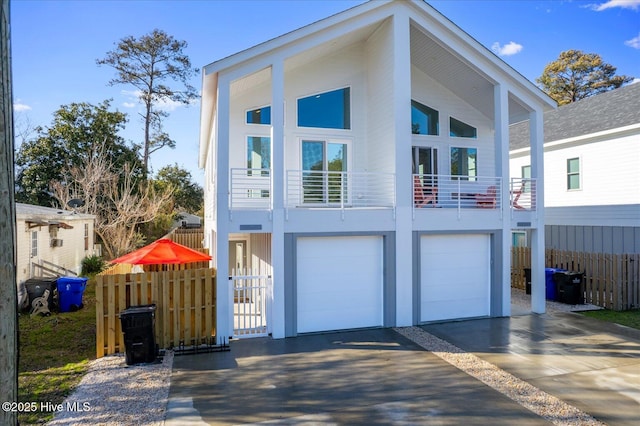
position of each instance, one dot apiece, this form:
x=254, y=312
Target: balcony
x=459, y=192
x=339, y=190
x=250, y=189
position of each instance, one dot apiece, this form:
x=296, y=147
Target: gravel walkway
x=113, y=394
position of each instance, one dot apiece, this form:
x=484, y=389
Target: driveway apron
x=360, y=377
x=590, y=364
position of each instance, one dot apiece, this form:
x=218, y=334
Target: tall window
x=459, y=129
x=424, y=120
x=573, y=173
x=329, y=110
x=86, y=236
x=464, y=163
x=259, y=115
x=323, y=165
x=34, y=243
x=259, y=153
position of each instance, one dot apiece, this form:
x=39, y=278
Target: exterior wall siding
x=594, y=239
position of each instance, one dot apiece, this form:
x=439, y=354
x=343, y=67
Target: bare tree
x=8, y=291
x=120, y=202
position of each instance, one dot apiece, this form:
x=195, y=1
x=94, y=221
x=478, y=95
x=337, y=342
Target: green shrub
x=92, y=265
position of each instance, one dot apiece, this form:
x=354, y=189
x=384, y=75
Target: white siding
x=608, y=171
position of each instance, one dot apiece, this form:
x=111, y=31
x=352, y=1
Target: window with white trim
x=573, y=173
x=328, y=110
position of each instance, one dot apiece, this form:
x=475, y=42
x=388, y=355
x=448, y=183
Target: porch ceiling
x=458, y=75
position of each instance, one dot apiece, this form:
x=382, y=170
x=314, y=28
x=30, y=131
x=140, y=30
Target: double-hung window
x=573, y=173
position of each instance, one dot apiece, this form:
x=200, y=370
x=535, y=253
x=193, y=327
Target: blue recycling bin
x=550, y=284
x=70, y=291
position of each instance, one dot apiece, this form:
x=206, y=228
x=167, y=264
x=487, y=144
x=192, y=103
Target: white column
x=277, y=197
x=401, y=57
x=501, y=123
x=224, y=309
x=536, y=123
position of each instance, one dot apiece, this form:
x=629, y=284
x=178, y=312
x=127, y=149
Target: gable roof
x=606, y=111
x=464, y=54
x=30, y=211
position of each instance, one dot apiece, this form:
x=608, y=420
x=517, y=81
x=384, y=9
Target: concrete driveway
x=380, y=377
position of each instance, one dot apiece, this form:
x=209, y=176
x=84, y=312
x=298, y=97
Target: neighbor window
x=518, y=239
x=86, y=236
x=259, y=153
x=573, y=173
x=259, y=116
x=329, y=110
x=34, y=243
x=459, y=129
x=424, y=120
x=464, y=163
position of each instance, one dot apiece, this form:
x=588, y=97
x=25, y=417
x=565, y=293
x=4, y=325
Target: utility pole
x=8, y=289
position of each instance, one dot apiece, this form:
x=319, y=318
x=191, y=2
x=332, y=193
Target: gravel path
x=112, y=393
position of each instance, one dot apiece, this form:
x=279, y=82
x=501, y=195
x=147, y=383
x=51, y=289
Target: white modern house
x=592, y=184
x=51, y=241
x=359, y=167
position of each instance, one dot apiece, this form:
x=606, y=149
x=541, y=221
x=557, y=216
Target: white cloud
x=635, y=81
x=163, y=105
x=19, y=106
x=624, y=4
x=129, y=104
x=634, y=42
x=508, y=49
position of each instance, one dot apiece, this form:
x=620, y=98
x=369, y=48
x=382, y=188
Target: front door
x=324, y=166
x=237, y=257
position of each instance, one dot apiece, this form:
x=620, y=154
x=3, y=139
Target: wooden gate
x=251, y=296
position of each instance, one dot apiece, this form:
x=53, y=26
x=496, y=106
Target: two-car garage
x=341, y=282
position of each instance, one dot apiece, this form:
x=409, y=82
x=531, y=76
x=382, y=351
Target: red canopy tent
x=162, y=251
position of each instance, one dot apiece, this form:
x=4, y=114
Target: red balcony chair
x=488, y=200
x=422, y=196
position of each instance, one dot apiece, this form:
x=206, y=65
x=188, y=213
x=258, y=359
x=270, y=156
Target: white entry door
x=339, y=283
x=455, y=276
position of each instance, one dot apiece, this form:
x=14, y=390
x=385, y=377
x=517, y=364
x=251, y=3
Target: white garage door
x=339, y=283
x=454, y=276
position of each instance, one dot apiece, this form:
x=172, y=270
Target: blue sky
x=55, y=45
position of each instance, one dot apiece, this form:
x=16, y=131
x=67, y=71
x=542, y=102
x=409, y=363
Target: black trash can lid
x=141, y=309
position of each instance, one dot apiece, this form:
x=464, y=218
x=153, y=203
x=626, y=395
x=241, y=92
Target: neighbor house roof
x=606, y=111
x=42, y=216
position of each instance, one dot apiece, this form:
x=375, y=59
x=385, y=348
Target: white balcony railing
x=523, y=193
x=250, y=189
x=456, y=191
x=345, y=190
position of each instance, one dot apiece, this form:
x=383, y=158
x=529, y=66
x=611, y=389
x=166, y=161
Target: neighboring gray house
x=592, y=184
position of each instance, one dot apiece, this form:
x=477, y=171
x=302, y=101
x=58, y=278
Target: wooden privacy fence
x=185, y=307
x=610, y=280
x=191, y=238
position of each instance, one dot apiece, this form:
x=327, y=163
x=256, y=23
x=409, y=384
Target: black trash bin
x=569, y=287
x=138, y=326
x=36, y=288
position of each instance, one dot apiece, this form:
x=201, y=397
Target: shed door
x=339, y=283
x=455, y=277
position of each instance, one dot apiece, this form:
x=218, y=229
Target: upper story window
x=459, y=129
x=259, y=115
x=573, y=173
x=424, y=120
x=328, y=110
x=259, y=153
x=464, y=163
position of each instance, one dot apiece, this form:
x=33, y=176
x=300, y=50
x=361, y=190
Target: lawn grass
x=54, y=355
x=629, y=318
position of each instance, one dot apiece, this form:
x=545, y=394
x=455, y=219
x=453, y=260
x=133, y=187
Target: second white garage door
x=339, y=283
x=454, y=276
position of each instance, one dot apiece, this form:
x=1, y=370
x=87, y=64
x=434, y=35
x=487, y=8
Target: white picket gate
x=251, y=295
